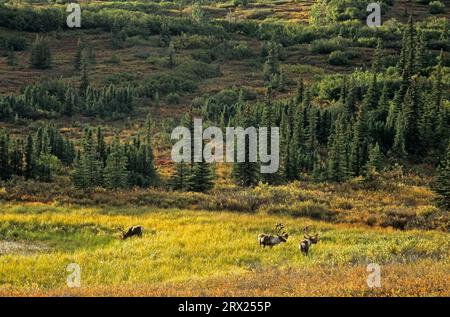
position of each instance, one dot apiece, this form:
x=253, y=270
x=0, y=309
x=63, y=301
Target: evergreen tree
x=337, y=167
x=374, y=164
x=165, y=37
x=5, y=169
x=344, y=91
x=180, y=178
x=350, y=101
x=271, y=66
x=268, y=121
x=16, y=157
x=149, y=157
x=171, y=54
x=370, y=100
x=359, y=146
x=300, y=91
x=287, y=146
x=408, y=52
x=398, y=151
x=411, y=113
x=201, y=179
x=377, y=61
x=246, y=173
x=77, y=61
x=70, y=102
x=115, y=173
x=88, y=169
x=101, y=146
x=84, y=81
x=441, y=130
x=422, y=54
x=41, y=57
x=29, y=157
x=442, y=183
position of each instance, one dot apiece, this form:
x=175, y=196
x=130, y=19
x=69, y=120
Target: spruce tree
x=359, y=146
x=421, y=54
x=271, y=66
x=179, y=180
x=287, y=146
x=70, y=102
x=115, y=174
x=411, y=113
x=29, y=157
x=300, y=91
x=41, y=57
x=101, y=146
x=398, y=150
x=165, y=37
x=370, y=100
x=201, y=179
x=312, y=142
x=337, y=169
x=377, y=60
x=350, y=101
x=171, y=55
x=84, y=80
x=5, y=169
x=374, y=164
x=245, y=173
x=442, y=184
x=16, y=157
x=148, y=167
x=88, y=168
x=268, y=121
x=77, y=61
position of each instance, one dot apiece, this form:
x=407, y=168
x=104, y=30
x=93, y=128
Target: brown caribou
x=133, y=231
x=271, y=240
x=308, y=241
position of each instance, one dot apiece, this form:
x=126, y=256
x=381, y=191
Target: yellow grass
x=203, y=253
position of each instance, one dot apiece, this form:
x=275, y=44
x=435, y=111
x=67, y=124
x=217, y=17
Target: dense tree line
x=368, y=128
x=55, y=97
x=37, y=156
x=114, y=165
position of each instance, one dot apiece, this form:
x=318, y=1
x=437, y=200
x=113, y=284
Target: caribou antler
x=281, y=230
x=279, y=227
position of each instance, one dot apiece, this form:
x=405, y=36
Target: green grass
x=180, y=246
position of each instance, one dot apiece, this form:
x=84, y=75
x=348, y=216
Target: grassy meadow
x=185, y=252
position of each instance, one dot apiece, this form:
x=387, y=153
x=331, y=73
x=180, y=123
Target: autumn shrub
x=437, y=7
x=338, y=58
x=326, y=46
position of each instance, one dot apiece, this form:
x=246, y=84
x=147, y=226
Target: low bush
x=338, y=58
x=437, y=7
x=197, y=70
x=173, y=99
x=326, y=46
x=13, y=42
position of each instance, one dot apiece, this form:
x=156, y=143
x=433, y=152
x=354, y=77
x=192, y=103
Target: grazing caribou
x=133, y=231
x=272, y=240
x=308, y=240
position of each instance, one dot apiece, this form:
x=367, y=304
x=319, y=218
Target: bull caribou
x=308, y=241
x=271, y=240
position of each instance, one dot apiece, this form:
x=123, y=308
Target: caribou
x=271, y=240
x=308, y=240
x=133, y=231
